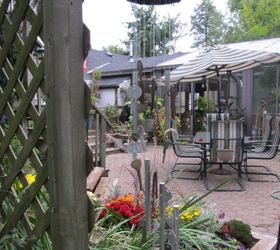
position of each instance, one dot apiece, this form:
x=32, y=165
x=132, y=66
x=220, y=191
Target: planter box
x=265, y=242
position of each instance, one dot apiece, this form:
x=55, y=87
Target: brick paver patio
x=254, y=206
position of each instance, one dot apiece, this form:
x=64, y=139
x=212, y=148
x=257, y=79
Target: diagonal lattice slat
x=25, y=209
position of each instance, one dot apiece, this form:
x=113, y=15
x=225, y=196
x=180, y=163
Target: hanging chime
x=154, y=2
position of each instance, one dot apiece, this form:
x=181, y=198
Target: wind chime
x=168, y=229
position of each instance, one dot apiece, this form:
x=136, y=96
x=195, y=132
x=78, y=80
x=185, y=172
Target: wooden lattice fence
x=24, y=204
x=42, y=193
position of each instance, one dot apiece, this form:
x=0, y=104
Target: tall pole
x=167, y=99
x=66, y=123
x=192, y=108
x=134, y=110
x=277, y=89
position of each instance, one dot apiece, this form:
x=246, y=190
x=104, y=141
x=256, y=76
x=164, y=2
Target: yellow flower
x=190, y=214
x=30, y=178
x=182, y=217
x=188, y=217
x=197, y=212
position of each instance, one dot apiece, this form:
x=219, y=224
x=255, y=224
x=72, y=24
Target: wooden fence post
x=66, y=132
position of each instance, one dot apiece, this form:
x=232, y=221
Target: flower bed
x=134, y=222
x=120, y=223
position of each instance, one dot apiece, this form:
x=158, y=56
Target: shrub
x=239, y=230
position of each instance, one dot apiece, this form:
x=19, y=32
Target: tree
x=207, y=25
x=150, y=34
x=115, y=49
x=254, y=19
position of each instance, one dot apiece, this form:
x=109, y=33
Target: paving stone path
x=255, y=205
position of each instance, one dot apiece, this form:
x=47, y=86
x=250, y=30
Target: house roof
x=98, y=58
x=112, y=82
x=114, y=64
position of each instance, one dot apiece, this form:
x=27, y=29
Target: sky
x=106, y=20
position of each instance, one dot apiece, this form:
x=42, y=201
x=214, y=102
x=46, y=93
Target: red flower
x=127, y=209
x=226, y=229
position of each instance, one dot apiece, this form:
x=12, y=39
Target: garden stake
x=162, y=192
x=164, y=197
x=176, y=227
x=147, y=226
x=136, y=164
x=147, y=195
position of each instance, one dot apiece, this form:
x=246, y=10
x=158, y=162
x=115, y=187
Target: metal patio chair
x=260, y=143
x=226, y=148
x=185, y=149
x=268, y=154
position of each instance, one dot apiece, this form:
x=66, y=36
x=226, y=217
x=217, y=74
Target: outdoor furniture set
x=224, y=144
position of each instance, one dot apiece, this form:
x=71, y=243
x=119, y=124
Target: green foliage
x=203, y=106
x=207, y=25
x=17, y=239
x=11, y=241
x=152, y=35
x=17, y=147
x=241, y=231
x=147, y=114
x=160, y=130
x=112, y=114
x=254, y=19
x=268, y=78
x=96, y=76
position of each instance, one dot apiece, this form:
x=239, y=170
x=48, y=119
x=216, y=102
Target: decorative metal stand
x=168, y=228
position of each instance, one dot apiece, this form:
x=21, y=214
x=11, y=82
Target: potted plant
x=147, y=120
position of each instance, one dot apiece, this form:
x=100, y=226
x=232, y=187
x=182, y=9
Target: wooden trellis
x=42, y=131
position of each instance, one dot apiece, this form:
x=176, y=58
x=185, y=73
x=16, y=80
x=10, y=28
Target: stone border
x=266, y=242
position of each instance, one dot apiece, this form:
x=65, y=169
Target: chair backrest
x=266, y=133
x=273, y=149
x=180, y=148
x=215, y=117
x=226, y=141
x=177, y=147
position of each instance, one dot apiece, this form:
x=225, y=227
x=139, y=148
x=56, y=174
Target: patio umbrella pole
x=218, y=91
x=218, y=97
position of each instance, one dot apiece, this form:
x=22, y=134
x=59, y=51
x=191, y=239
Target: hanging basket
x=154, y=2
